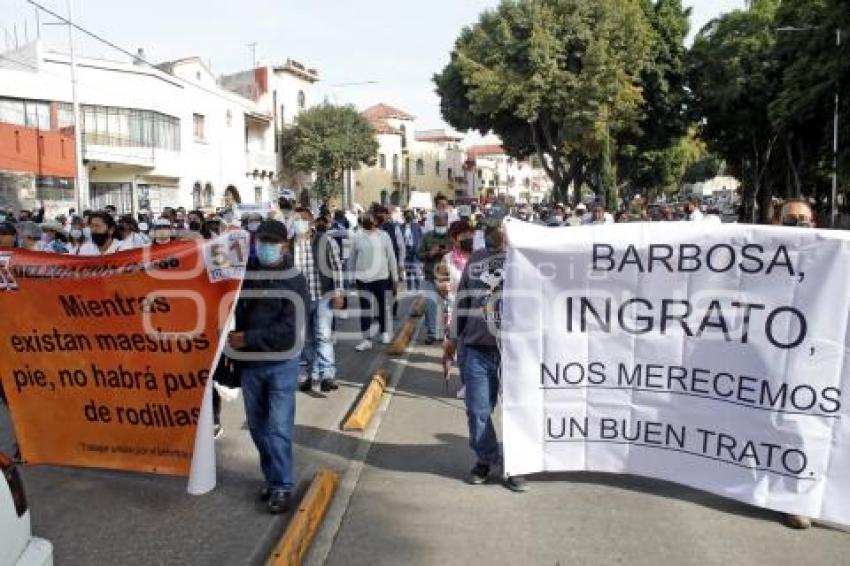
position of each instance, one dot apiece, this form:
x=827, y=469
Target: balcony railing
x=260, y=161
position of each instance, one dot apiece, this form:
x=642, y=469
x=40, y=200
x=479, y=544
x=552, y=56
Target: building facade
x=169, y=135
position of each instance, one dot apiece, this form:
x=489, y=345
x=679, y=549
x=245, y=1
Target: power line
x=137, y=57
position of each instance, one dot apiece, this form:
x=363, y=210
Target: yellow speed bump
x=295, y=543
x=368, y=402
x=418, y=308
x=401, y=341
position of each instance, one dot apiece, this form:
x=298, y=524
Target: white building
x=159, y=136
x=492, y=173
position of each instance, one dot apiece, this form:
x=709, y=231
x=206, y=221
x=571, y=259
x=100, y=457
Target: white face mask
x=252, y=226
x=300, y=227
x=441, y=230
x=87, y=232
x=76, y=234
x=143, y=227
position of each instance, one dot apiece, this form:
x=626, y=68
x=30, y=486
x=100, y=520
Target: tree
x=555, y=78
x=734, y=78
x=328, y=139
x=813, y=70
x=652, y=156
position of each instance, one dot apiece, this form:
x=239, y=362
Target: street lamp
x=834, y=197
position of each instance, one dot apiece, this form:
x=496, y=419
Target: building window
x=229, y=118
x=450, y=173
x=403, y=129
x=437, y=167
x=382, y=161
x=302, y=100
x=395, y=166
x=258, y=195
x=196, y=195
x=198, y=127
x=208, y=194
x=420, y=167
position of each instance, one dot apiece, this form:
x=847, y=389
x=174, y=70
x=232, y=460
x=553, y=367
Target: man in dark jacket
x=269, y=335
x=476, y=320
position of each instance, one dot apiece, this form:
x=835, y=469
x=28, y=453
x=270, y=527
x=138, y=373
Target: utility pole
x=834, y=210
x=80, y=190
x=253, y=48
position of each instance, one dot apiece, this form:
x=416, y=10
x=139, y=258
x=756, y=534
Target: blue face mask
x=269, y=253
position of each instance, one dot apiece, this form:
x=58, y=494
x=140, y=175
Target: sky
x=396, y=44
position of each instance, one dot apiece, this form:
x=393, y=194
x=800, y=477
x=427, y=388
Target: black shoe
x=479, y=474
x=328, y=385
x=517, y=484
x=430, y=340
x=306, y=385
x=279, y=501
x=265, y=493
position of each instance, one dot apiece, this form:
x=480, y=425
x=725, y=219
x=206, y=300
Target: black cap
x=271, y=231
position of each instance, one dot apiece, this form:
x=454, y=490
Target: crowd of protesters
x=357, y=257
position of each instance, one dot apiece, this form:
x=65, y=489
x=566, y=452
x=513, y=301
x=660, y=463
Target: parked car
x=17, y=545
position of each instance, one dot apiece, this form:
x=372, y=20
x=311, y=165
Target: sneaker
x=430, y=340
x=517, y=484
x=479, y=474
x=328, y=385
x=386, y=338
x=218, y=431
x=798, y=521
x=306, y=385
x=279, y=501
x=461, y=393
x=363, y=346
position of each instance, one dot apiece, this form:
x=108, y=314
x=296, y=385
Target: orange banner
x=104, y=360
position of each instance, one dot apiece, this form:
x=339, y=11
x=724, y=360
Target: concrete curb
x=295, y=542
x=367, y=403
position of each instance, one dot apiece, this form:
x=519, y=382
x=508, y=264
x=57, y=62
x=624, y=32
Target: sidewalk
x=411, y=505
x=108, y=517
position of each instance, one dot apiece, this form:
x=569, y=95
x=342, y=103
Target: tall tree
x=734, y=77
x=650, y=156
x=327, y=140
x=553, y=78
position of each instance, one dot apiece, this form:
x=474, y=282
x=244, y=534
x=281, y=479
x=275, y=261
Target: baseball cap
x=271, y=231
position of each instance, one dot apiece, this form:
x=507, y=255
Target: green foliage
x=551, y=77
x=326, y=140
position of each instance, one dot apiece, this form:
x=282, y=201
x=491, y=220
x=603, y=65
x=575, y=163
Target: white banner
x=712, y=356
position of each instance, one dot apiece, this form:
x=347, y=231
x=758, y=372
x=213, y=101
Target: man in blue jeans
x=316, y=256
x=269, y=336
x=434, y=245
x=475, y=323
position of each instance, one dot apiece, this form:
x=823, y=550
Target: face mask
x=87, y=232
x=466, y=245
x=301, y=227
x=253, y=226
x=441, y=230
x=195, y=226
x=143, y=227
x=76, y=234
x=268, y=253
x=99, y=239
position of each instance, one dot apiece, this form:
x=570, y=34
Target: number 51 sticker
x=226, y=256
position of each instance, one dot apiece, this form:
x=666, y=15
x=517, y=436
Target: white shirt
x=696, y=215
x=90, y=249
x=133, y=241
